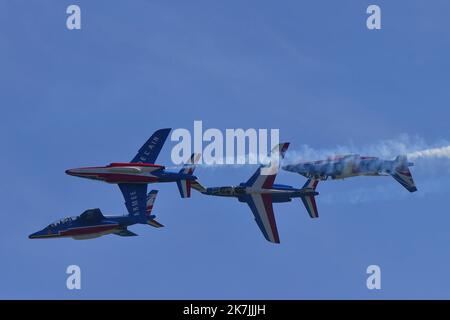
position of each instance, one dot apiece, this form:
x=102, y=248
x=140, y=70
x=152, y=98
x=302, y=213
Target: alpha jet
x=133, y=177
x=93, y=224
x=259, y=192
x=352, y=165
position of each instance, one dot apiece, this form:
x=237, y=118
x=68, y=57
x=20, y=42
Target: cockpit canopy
x=222, y=190
x=63, y=221
x=339, y=157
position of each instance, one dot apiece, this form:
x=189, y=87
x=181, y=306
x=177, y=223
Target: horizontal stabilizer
x=402, y=174
x=151, y=197
x=404, y=177
x=310, y=203
x=309, y=199
x=155, y=223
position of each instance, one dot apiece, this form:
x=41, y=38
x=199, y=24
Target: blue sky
x=311, y=69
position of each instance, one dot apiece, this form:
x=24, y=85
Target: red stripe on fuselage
x=118, y=178
x=134, y=164
x=88, y=230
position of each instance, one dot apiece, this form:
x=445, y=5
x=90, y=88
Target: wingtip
x=283, y=148
x=164, y=131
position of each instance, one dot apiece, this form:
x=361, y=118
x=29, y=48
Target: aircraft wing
x=135, y=195
x=261, y=206
x=151, y=148
x=125, y=233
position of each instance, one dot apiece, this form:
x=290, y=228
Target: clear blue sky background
x=312, y=69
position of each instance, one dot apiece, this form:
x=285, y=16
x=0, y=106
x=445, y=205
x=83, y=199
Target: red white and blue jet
x=93, y=224
x=133, y=177
x=259, y=192
x=353, y=165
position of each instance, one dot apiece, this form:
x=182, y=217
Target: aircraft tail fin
x=151, y=197
x=184, y=186
x=402, y=174
x=308, y=199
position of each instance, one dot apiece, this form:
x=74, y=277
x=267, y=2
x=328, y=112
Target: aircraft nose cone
x=39, y=235
x=70, y=172
x=33, y=235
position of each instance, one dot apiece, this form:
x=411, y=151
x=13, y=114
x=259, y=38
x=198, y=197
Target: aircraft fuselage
x=341, y=167
x=73, y=227
x=129, y=173
x=280, y=193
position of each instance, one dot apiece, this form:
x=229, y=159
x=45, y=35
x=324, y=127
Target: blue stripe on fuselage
x=166, y=176
x=282, y=187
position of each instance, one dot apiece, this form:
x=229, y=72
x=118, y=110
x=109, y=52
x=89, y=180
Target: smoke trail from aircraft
x=414, y=147
x=443, y=152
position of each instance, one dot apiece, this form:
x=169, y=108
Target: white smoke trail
x=443, y=152
x=416, y=148
x=387, y=149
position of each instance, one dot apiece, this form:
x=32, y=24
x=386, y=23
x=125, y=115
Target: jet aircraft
x=133, y=177
x=93, y=224
x=352, y=165
x=259, y=192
